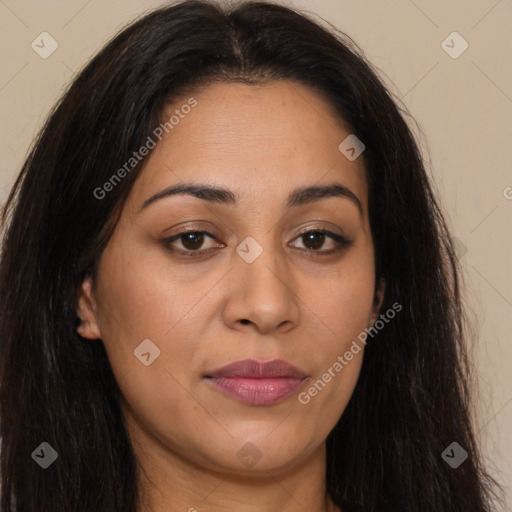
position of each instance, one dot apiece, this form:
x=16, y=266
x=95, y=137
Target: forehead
x=256, y=140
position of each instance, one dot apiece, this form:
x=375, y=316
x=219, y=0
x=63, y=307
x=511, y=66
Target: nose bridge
x=266, y=292
x=260, y=256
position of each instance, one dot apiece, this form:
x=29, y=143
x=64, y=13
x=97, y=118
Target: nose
x=263, y=294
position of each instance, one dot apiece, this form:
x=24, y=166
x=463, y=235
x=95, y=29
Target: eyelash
x=343, y=243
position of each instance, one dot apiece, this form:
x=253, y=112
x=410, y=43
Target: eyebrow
x=298, y=197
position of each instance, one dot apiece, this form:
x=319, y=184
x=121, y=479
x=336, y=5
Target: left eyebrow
x=298, y=197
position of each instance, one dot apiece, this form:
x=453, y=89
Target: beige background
x=463, y=106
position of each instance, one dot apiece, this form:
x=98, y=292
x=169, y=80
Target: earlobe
x=88, y=312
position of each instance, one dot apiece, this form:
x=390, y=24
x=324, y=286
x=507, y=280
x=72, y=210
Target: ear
x=88, y=312
x=377, y=301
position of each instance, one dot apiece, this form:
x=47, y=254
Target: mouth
x=257, y=383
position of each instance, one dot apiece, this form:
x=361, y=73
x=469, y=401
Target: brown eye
x=313, y=240
x=190, y=243
x=193, y=240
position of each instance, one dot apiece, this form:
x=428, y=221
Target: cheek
x=341, y=312
x=338, y=364
x=133, y=306
x=148, y=331
x=142, y=297
x=344, y=303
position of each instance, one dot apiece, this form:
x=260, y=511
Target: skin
x=261, y=142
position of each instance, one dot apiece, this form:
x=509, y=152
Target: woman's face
x=170, y=315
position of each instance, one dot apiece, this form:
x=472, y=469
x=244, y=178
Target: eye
x=314, y=239
x=192, y=242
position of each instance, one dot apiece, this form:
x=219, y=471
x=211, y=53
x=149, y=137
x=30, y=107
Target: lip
x=255, y=382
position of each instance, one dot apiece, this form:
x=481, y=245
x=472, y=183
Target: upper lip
x=252, y=369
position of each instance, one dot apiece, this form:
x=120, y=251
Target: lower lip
x=257, y=391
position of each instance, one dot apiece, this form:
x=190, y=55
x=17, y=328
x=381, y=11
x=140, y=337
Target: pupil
x=310, y=238
x=193, y=240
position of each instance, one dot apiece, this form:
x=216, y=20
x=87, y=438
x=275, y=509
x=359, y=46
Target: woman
x=227, y=285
